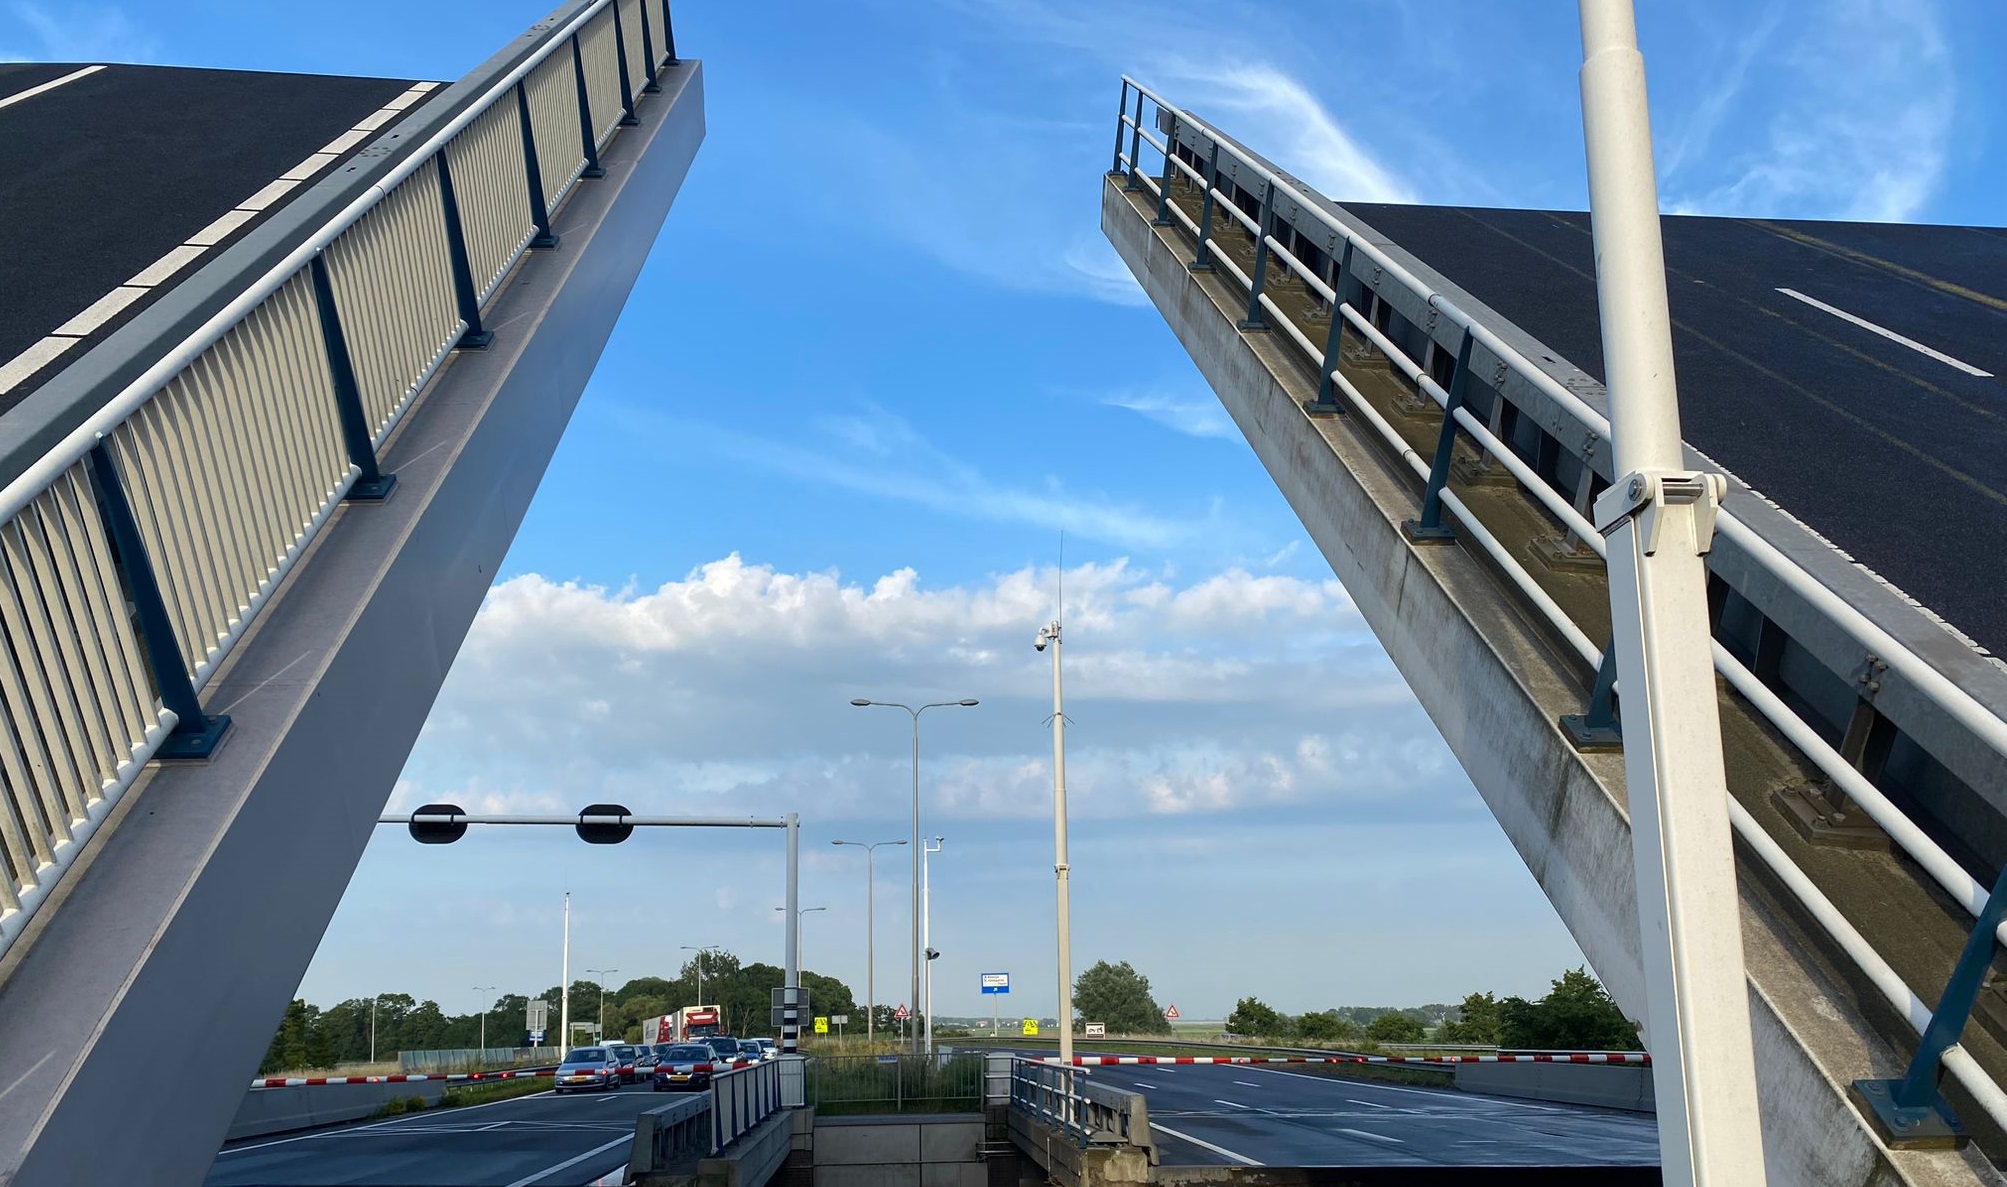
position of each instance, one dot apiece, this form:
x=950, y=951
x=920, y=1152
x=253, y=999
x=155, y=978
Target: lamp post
x=372, y=1028
x=484, y=1019
x=931, y=847
x=870, y=923
x=798, y=931
x=700, y=969
x=965, y=703
x=603, y=974
x=1048, y=636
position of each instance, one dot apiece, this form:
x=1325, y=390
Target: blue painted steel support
x=373, y=486
x=669, y=35
x=1334, y=342
x=1121, y=109
x=585, y=136
x=1136, y=145
x=195, y=734
x=1909, y=1111
x=650, y=87
x=627, y=119
x=540, y=215
x=1203, y=261
x=1430, y=529
x=1163, y=218
x=1598, y=729
x=474, y=337
x=1254, y=320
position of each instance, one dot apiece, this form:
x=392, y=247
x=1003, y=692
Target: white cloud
x=73, y=33
x=1857, y=126
x=1194, y=416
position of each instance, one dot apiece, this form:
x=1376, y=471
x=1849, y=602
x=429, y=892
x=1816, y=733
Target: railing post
x=373, y=486
x=1908, y=1112
x=650, y=86
x=1598, y=729
x=627, y=119
x=1334, y=342
x=586, y=138
x=474, y=337
x=669, y=36
x=1163, y=218
x=1121, y=109
x=1203, y=261
x=540, y=215
x=1136, y=145
x=1254, y=320
x=195, y=735
x=1430, y=529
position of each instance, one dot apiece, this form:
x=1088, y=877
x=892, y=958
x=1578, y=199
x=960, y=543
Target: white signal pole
x=1049, y=636
x=1658, y=517
x=928, y=848
x=564, y=981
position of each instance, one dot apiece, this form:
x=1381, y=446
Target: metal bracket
x=1648, y=493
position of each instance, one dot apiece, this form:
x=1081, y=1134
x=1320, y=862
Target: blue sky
x=880, y=358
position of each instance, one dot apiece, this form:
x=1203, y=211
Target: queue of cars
x=669, y=1066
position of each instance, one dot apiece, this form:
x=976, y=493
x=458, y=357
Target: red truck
x=690, y=1022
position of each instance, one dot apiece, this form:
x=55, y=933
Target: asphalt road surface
x=532, y=1141
x=1867, y=400
x=1246, y=1115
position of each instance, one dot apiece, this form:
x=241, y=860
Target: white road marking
x=1140, y=1084
x=1369, y=1104
x=33, y=359
x=1887, y=333
x=405, y=1120
x=52, y=84
x=1203, y=1144
x=570, y=1162
x=1231, y=1104
x=25, y=1075
x=1378, y=1137
x=1445, y=1095
x=1245, y=1084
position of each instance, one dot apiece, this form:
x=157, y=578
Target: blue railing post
x=1598, y=729
x=669, y=35
x=1254, y=320
x=373, y=486
x=473, y=337
x=1121, y=109
x=1203, y=261
x=1334, y=342
x=648, y=86
x=1909, y=1112
x=195, y=734
x=1136, y=145
x=627, y=119
x=1430, y=529
x=540, y=215
x=1163, y=218
x=592, y=167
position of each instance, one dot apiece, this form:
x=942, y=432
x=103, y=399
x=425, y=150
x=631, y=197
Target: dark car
x=628, y=1056
x=683, y=1066
x=727, y=1049
x=588, y=1067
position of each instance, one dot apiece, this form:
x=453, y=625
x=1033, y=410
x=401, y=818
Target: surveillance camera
x=1038, y=644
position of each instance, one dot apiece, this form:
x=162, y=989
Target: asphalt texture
x=101, y=177
x=546, y=1140
x=1897, y=457
x=1247, y=1115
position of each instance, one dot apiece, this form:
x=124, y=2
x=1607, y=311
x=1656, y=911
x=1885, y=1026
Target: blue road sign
x=996, y=982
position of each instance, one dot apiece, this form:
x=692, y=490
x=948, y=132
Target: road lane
x=1248, y=1114
x=542, y=1140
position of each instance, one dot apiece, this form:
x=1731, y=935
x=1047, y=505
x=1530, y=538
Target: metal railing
x=136, y=552
x=1068, y=1098
x=671, y=1137
x=741, y=1099
x=1206, y=164
x=940, y=1083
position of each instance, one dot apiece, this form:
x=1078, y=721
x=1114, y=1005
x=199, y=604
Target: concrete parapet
x=304, y=1106
x=1628, y=1088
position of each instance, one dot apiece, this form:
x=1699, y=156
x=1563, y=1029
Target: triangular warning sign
x=901, y=1013
x=1171, y=1013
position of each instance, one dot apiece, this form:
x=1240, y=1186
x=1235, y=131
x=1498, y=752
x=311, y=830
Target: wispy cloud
x=72, y=33
x=1690, y=136
x=1858, y=126
x=1194, y=416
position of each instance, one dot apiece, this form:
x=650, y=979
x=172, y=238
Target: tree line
x=315, y=1037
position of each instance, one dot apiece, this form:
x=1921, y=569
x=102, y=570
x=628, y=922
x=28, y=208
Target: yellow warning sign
x=821, y=1025
x=1031, y=1026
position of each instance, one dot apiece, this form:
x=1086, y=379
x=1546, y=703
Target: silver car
x=588, y=1067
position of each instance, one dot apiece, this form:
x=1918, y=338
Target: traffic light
x=604, y=832
x=438, y=824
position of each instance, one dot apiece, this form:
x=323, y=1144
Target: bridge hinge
x=1648, y=494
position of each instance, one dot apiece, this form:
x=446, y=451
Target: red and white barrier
x=398, y=1078
x=1612, y=1057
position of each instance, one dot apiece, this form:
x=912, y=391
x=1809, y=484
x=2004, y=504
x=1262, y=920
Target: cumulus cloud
x=1857, y=125
x=727, y=692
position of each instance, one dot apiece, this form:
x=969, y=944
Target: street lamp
x=603, y=974
x=966, y=703
x=700, y=967
x=931, y=847
x=1048, y=636
x=484, y=1019
x=799, y=960
x=870, y=923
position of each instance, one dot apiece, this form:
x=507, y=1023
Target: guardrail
x=672, y=1136
x=1255, y=201
x=137, y=551
x=741, y=1099
x=1069, y=1099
